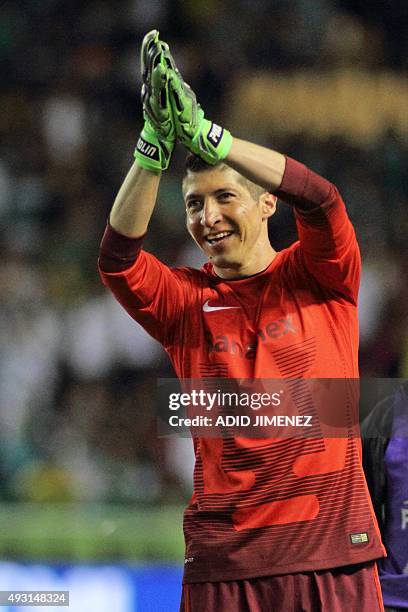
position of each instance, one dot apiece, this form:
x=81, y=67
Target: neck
x=257, y=263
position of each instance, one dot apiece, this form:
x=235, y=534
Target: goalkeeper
x=273, y=524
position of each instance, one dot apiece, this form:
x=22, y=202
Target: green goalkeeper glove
x=206, y=139
x=157, y=139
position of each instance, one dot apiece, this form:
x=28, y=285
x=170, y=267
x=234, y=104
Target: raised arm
x=134, y=204
x=136, y=199
x=260, y=165
x=215, y=144
x=150, y=292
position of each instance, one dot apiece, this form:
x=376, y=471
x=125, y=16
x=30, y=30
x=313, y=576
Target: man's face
x=223, y=218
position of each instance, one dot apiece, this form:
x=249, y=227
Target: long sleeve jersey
x=265, y=507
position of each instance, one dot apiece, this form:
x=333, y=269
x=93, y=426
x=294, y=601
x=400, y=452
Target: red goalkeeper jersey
x=264, y=507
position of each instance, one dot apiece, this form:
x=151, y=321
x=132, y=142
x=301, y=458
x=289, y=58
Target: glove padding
x=157, y=139
x=206, y=139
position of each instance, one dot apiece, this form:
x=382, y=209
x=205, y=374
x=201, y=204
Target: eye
x=225, y=196
x=193, y=205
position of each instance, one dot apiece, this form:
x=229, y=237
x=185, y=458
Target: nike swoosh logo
x=208, y=308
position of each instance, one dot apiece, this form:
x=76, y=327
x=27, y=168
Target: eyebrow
x=197, y=195
x=192, y=196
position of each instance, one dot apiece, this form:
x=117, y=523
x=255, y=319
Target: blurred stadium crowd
x=77, y=376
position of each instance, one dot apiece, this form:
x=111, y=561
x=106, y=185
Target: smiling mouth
x=218, y=238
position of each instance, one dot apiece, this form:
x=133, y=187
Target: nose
x=210, y=214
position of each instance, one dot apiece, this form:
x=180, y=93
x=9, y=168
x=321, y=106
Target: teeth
x=218, y=236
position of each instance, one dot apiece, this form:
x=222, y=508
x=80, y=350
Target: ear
x=267, y=203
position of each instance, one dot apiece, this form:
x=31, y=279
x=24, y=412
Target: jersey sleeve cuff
x=303, y=188
x=118, y=252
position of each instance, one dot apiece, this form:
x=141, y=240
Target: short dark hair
x=194, y=163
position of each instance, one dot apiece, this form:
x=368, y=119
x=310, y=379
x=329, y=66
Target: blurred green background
x=95, y=532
